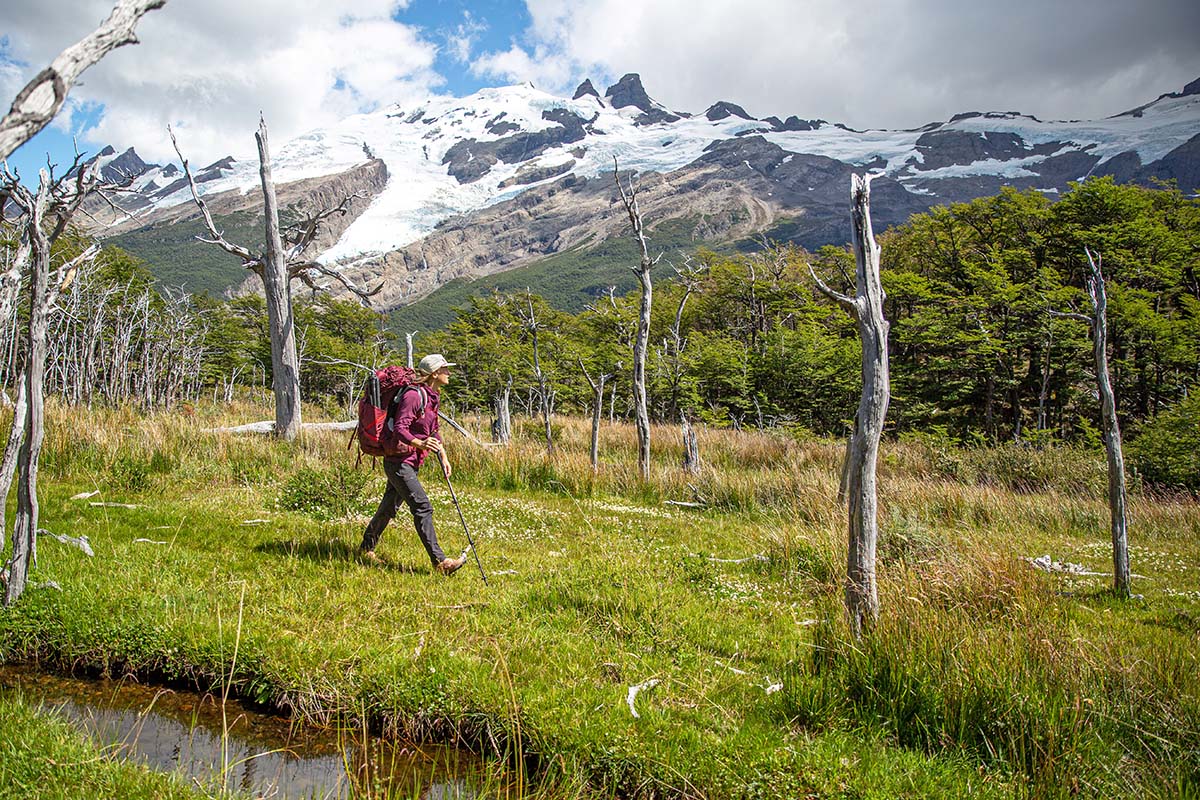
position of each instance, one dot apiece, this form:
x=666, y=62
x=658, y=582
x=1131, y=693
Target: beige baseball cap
x=433, y=362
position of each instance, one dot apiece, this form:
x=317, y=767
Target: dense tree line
x=976, y=352
x=737, y=340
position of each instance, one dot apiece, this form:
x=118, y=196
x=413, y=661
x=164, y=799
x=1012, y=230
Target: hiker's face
x=442, y=376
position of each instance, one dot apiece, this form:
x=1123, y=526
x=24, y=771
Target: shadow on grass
x=324, y=551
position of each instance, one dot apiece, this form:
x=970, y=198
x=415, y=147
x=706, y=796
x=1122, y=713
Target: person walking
x=416, y=425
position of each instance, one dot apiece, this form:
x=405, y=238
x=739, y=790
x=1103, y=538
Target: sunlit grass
x=984, y=676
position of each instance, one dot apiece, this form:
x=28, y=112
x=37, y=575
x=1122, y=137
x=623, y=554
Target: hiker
x=416, y=425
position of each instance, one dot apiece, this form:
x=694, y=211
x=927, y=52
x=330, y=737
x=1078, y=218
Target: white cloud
x=461, y=41
x=210, y=68
x=544, y=68
x=890, y=63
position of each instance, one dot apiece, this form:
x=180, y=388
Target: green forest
x=745, y=340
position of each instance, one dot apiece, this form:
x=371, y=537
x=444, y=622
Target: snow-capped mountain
x=451, y=174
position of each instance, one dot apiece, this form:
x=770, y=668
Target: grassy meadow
x=230, y=560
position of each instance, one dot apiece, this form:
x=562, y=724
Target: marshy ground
x=229, y=562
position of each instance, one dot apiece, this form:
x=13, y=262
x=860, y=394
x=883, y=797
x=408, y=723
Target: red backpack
x=376, y=431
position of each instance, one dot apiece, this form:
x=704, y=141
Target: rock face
x=1182, y=164
x=629, y=92
x=722, y=109
x=469, y=160
x=462, y=187
x=297, y=199
x=562, y=215
x=584, y=89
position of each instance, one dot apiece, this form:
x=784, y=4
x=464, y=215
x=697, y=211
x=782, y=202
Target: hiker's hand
x=432, y=444
x=446, y=466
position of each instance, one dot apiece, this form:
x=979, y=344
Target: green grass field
x=983, y=678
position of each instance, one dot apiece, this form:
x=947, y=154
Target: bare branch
x=1084, y=318
x=248, y=258
x=300, y=235
x=838, y=297
x=303, y=272
x=103, y=193
x=42, y=97
x=586, y=375
x=66, y=273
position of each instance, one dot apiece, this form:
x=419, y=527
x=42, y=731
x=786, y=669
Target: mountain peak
x=118, y=168
x=629, y=92
x=586, y=88
x=722, y=109
x=1192, y=88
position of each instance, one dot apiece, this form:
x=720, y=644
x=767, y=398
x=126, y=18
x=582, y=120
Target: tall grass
x=986, y=659
x=982, y=676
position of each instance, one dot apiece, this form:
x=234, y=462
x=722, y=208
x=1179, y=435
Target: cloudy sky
x=209, y=66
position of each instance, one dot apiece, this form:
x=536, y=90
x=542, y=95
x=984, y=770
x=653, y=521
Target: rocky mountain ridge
x=462, y=187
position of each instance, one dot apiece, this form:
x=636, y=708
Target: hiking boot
x=449, y=566
x=369, y=557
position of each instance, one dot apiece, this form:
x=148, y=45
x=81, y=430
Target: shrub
x=323, y=494
x=1164, y=453
x=130, y=473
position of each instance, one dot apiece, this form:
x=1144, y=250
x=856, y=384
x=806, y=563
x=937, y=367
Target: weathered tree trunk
x=641, y=412
x=640, y=405
x=597, y=409
x=689, y=275
x=691, y=448
x=545, y=392
x=862, y=598
x=408, y=348
x=285, y=363
x=25, y=523
x=1112, y=429
x=10, y=286
x=16, y=436
x=1044, y=392
x=502, y=428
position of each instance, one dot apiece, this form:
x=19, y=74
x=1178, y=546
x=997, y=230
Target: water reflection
x=236, y=748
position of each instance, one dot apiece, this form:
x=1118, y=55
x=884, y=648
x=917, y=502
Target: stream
x=229, y=746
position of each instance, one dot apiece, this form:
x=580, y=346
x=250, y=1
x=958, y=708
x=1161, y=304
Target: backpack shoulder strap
x=421, y=393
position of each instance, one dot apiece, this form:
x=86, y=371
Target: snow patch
x=420, y=192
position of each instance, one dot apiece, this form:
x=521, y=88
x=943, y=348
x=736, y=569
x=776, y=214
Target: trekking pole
x=454, y=497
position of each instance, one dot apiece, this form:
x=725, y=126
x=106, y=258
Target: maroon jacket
x=411, y=423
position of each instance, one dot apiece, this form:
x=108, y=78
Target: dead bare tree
x=545, y=393
x=278, y=266
x=597, y=409
x=44, y=218
x=124, y=342
x=691, y=446
x=862, y=454
x=42, y=97
x=689, y=277
x=502, y=425
x=1098, y=322
x=408, y=348
x=641, y=412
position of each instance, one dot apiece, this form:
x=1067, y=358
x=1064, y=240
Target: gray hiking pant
x=403, y=486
